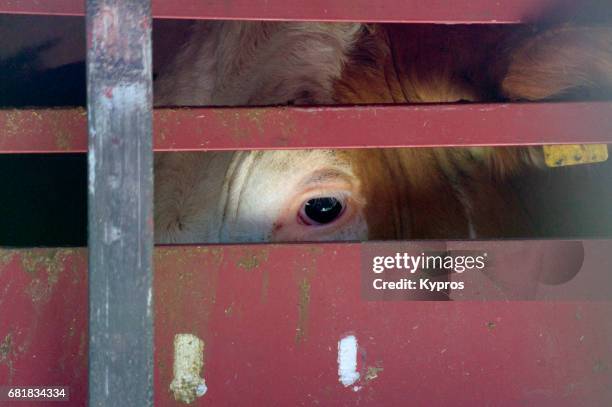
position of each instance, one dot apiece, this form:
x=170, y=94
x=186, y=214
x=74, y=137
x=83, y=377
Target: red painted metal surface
x=44, y=130
x=271, y=317
x=482, y=11
x=57, y=130
x=43, y=320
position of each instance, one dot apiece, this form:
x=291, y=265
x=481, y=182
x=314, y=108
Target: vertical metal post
x=119, y=91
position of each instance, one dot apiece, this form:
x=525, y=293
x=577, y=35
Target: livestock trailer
x=287, y=324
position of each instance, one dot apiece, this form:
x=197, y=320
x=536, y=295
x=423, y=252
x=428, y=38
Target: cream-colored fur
x=256, y=63
x=391, y=194
x=243, y=196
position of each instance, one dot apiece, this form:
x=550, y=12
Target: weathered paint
x=373, y=372
x=120, y=202
x=441, y=351
x=447, y=11
x=53, y=130
x=187, y=384
x=546, y=352
x=252, y=259
x=303, y=303
x=43, y=319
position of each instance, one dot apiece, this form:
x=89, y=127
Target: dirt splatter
x=265, y=284
x=6, y=257
x=7, y=353
x=45, y=266
x=257, y=117
x=252, y=259
x=372, y=373
x=303, y=305
x=64, y=140
x=184, y=276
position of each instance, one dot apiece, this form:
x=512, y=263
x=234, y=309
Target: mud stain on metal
x=265, y=284
x=256, y=117
x=64, y=125
x=6, y=257
x=248, y=124
x=230, y=120
x=12, y=123
x=187, y=383
x=45, y=267
x=287, y=128
x=305, y=268
x=185, y=276
x=372, y=373
x=7, y=353
x=303, y=305
x=252, y=259
x=64, y=141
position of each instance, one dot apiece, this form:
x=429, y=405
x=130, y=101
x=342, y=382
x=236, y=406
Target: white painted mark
x=111, y=234
x=188, y=362
x=149, y=301
x=347, y=360
x=91, y=162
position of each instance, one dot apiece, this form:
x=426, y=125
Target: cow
x=314, y=195
x=339, y=194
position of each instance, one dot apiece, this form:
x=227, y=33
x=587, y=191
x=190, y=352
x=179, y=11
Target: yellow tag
x=574, y=154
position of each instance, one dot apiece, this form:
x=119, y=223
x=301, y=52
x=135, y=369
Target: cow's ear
x=565, y=62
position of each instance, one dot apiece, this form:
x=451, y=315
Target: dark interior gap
x=44, y=200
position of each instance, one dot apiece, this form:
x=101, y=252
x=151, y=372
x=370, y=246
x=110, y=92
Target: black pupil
x=323, y=210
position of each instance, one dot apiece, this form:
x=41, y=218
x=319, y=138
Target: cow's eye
x=321, y=211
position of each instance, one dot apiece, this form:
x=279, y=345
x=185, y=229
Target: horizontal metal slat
x=446, y=11
x=64, y=130
x=279, y=311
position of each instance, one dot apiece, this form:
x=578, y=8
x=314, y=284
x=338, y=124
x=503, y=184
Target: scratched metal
x=271, y=316
x=120, y=201
x=63, y=130
x=446, y=11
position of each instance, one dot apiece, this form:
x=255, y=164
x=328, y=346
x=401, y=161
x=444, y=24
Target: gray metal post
x=119, y=82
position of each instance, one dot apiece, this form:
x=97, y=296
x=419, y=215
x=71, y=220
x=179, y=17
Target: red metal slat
x=271, y=316
x=449, y=11
x=64, y=130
